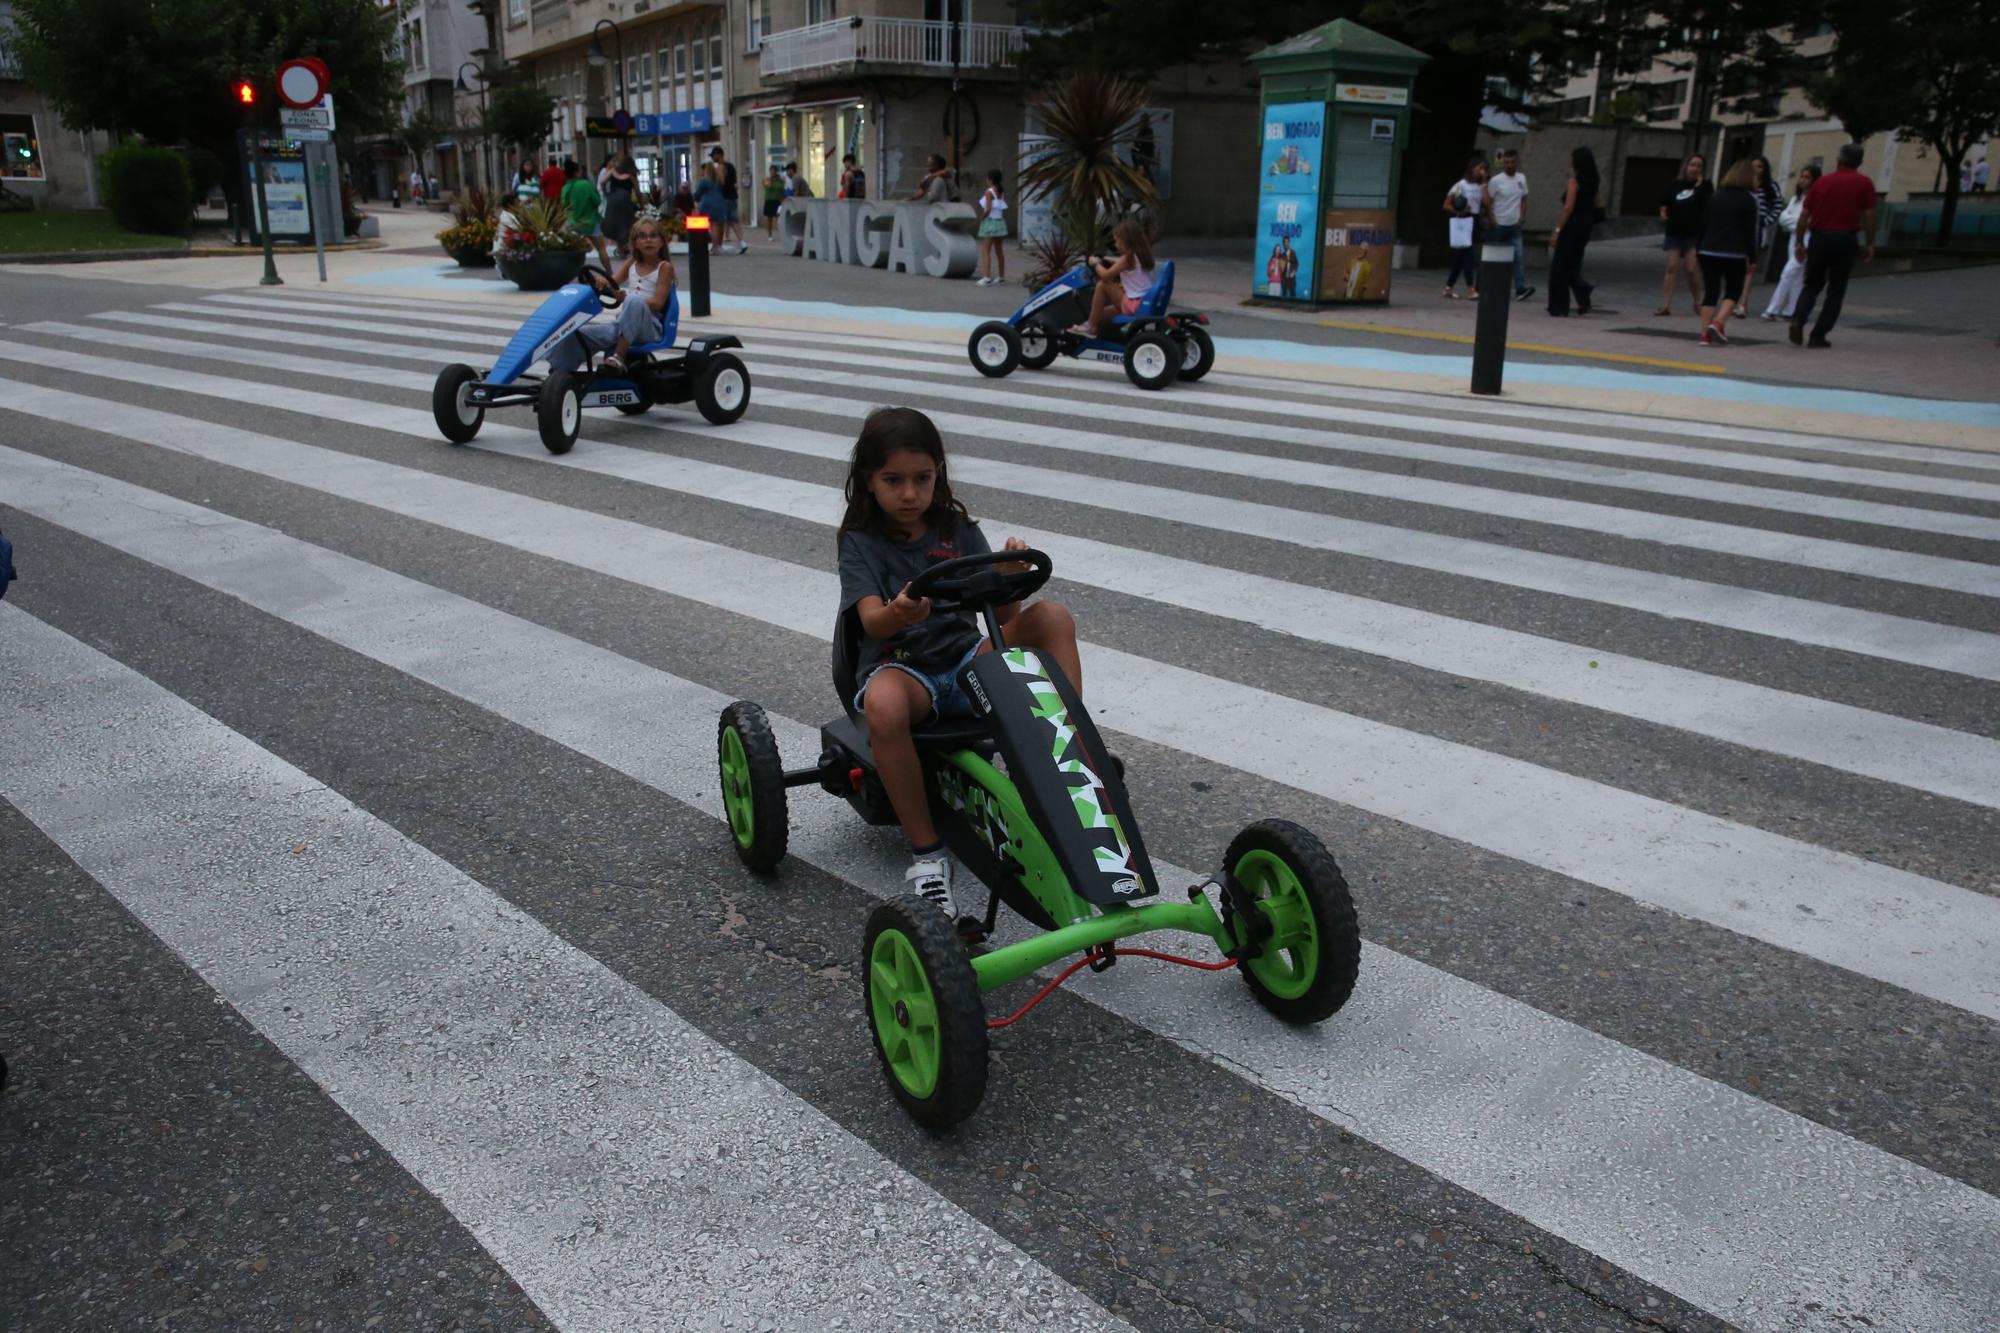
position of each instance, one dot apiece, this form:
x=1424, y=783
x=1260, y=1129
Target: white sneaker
x=743, y=247
x=930, y=879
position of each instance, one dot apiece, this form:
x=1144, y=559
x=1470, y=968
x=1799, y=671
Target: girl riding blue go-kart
x=1103, y=310
x=639, y=367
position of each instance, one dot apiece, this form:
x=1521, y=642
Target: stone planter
x=473, y=256
x=543, y=272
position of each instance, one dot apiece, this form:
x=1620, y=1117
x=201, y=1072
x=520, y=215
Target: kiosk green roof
x=1343, y=44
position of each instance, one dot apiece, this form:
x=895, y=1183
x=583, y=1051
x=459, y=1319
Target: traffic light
x=246, y=93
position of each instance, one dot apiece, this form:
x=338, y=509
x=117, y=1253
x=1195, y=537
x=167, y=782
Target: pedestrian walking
x=1506, y=203
x=1836, y=224
x=993, y=231
x=527, y=184
x=416, y=188
x=774, y=201
x=620, y=203
x=586, y=210
x=934, y=188
x=1683, y=208
x=555, y=175
x=1464, y=202
x=1579, y=217
x=1770, y=202
x=853, y=180
x=1979, y=175
x=796, y=186
x=708, y=203
x=726, y=180
x=1785, y=295
x=1728, y=239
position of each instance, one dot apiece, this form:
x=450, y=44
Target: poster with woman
x=1288, y=204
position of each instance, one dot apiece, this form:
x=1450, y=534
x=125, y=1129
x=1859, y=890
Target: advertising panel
x=1288, y=175
x=1358, y=247
x=284, y=190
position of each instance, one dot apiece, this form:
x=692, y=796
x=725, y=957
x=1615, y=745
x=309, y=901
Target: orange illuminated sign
x=697, y=223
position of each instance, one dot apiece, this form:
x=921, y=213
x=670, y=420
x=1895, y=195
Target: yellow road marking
x=1700, y=367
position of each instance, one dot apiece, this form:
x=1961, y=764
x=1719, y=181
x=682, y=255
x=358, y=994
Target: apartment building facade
x=805, y=82
x=1788, y=128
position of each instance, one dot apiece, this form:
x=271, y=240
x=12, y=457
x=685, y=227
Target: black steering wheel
x=609, y=294
x=971, y=582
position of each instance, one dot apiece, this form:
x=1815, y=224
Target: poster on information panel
x=1288, y=179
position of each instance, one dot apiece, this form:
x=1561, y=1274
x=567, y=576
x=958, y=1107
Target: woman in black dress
x=1579, y=215
x=620, y=203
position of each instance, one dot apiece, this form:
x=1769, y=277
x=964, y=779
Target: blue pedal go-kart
x=1033, y=804
x=714, y=378
x=1157, y=346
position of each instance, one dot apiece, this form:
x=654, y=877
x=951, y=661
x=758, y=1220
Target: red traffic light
x=246, y=93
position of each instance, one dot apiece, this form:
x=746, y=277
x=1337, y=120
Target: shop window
x=22, y=148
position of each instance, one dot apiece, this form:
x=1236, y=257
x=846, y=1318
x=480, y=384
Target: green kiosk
x=1336, y=106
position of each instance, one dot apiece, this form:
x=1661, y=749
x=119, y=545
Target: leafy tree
x=518, y=113
x=162, y=69
x=423, y=132
x=1921, y=67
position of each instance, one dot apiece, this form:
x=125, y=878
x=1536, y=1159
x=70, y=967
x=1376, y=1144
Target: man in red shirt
x=553, y=180
x=1836, y=222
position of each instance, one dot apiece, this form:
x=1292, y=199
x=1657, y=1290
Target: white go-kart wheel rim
x=993, y=350
x=1192, y=358
x=572, y=409
x=467, y=413
x=729, y=389
x=1032, y=342
x=1150, y=361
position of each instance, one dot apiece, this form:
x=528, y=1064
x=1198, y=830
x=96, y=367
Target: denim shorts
x=947, y=699
x=1677, y=243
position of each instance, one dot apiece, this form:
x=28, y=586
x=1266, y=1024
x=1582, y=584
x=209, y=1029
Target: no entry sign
x=302, y=82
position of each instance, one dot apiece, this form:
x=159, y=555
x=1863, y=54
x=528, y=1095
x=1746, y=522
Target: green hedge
x=147, y=190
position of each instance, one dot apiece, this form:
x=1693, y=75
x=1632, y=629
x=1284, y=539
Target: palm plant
x=1081, y=161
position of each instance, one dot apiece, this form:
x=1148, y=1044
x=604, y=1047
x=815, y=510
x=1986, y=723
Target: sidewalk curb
x=186, y=252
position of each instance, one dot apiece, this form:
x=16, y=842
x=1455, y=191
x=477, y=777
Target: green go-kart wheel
x=753, y=786
x=1307, y=968
x=925, y=1013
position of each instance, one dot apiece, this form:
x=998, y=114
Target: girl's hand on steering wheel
x=909, y=610
x=1014, y=566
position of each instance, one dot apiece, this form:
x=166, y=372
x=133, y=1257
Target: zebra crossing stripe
x=1927, y=758
x=352, y=949
x=1424, y=490
x=1931, y=938
x=1622, y=1154
x=1426, y=404
x=1894, y=638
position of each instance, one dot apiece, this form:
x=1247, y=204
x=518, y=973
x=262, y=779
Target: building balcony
x=844, y=45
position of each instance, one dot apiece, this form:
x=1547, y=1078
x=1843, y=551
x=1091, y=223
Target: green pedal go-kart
x=1029, y=800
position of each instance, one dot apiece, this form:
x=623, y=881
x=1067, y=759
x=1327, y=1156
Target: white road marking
x=1932, y=938
x=628, y=1171
x=1758, y=1215
x=1895, y=638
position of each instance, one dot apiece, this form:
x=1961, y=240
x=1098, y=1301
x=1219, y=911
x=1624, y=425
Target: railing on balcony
x=888, y=41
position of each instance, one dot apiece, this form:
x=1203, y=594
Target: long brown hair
x=891, y=430
x=1133, y=237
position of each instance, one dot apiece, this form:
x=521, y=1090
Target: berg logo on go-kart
x=1092, y=810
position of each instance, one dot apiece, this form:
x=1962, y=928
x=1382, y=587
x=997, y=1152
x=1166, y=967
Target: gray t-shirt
x=871, y=565
x=936, y=191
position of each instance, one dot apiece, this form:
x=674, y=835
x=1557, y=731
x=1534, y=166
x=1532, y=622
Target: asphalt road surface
x=375, y=955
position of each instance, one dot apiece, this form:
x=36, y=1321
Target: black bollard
x=697, y=237
x=1489, y=337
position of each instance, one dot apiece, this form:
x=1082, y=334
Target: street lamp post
x=485, y=139
x=597, y=57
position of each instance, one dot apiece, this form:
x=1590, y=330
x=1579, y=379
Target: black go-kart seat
x=949, y=734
